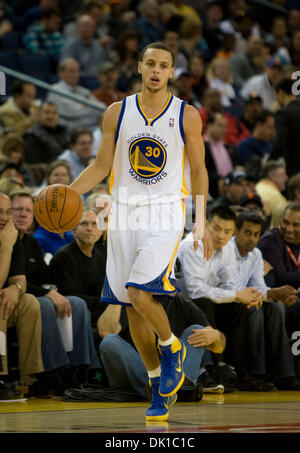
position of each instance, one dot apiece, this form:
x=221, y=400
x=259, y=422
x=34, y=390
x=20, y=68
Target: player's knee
x=136, y=296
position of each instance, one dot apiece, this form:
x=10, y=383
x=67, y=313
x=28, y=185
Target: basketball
x=58, y=208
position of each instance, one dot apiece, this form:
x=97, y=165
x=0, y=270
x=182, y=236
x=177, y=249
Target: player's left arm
x=192, y=125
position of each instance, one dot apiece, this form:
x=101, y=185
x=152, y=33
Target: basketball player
x=152, y=145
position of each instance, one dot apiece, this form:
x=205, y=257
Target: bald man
x=16, y=307
x=85, y=48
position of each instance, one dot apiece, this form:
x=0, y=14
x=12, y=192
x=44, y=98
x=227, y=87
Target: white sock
x=167, y=342
x=154, y=373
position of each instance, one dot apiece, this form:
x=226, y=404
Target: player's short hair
x=157, y=45
x=248, y=216
x=224, y=212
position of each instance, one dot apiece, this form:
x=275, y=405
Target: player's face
x=87, y=232
x=5, y=210
x=22, y=213
x=221, y=231
x=248, y=236
x=156, y=69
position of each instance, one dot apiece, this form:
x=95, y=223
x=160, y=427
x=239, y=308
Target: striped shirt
x=250, y=270
x=214, y=279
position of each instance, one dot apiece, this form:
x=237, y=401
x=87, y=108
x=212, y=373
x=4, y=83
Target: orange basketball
x=58, y=208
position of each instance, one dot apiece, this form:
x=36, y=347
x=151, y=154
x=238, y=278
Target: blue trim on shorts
x=120, y=119
x=181, y=121
x=156, y=286
x=108, y=296
x=114, y=302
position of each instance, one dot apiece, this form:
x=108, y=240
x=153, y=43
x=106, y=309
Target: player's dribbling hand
x=205, y=237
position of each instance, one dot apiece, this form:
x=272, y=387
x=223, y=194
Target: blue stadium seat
x=10, y=60
x=36, y=65
x=11, y=41
x=90, y=82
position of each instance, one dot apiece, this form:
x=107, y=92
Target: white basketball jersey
x=150, y=162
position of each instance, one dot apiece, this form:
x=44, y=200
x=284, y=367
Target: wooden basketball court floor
x=237, y=412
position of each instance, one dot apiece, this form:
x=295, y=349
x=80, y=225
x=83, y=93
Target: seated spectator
x=51, y=242
x=96, y=10
x=58, y=172
x=122, y=363
x=220, y=78
x=253, y=105
x=287, y=134
x=8, y=185
x=248, y=64
x=80, y=151
x=185, y=10
x=236, y=130
x=280, y=249
x=261, y=140
x=16, y=113
x=84, y=48
x=217, y=158
x=271, y=185
x=278, y=38
x=236, y=184
x=6, y=18
x=149, y=24
x=108, y=78
x=13, y=148
x=80, y=267
x=212, y=285
x=267, y=323
x=171, y=39
x=33, y=13
x=213, y=15
x=191, y=38
x=59, y=364
x=253, y=203
x=127, y=50
x=228, y=46
x=72, y=114
x=264, y=84
x=11, y=170
x=183, y=87
x=197, y=71
x=44, y=36
x=295, y=48
x=47, y=139
x=114, y=20
x=17, y=307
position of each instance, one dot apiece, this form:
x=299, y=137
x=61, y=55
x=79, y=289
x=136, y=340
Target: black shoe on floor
x=8, y=391
x=38, y=390
x=255, y=384
x=288, y=383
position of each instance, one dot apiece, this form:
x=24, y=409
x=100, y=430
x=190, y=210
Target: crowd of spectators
x=235, y=62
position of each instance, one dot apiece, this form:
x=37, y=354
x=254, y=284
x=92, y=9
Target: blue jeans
x=53, y=352
x=125, y=369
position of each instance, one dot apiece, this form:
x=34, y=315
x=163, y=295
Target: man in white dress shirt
x=212, y=285
x=267, y=323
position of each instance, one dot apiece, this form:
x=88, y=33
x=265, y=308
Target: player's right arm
x=102, y=165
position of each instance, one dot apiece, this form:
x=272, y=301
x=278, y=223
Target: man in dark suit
x=287, y=119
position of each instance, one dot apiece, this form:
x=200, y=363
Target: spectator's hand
x=267, y=267
x=250, y=297
x=203, y=337
x=8, y=235
x=286, y=294
x=63, y=306
x=9, y=297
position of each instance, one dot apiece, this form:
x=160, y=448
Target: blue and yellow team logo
x=147, y=157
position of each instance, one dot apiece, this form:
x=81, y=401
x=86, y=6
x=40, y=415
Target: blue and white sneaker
x=171, y=362
x=159, y=407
